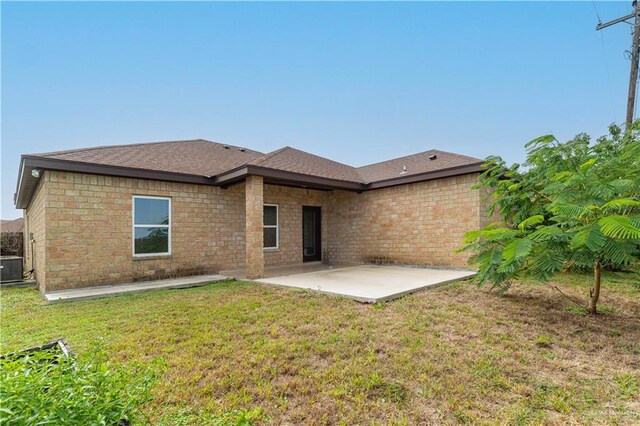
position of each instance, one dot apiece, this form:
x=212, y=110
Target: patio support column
x=254, y=232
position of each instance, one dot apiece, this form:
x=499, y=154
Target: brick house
x=116, y=214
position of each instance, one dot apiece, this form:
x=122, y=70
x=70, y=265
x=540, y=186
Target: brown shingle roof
x=293, y=160
x=416, y=164
x=194, y=157
x=210, y=163
x=205, y=158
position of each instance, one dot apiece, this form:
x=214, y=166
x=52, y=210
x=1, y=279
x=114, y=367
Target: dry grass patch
x=454, y=354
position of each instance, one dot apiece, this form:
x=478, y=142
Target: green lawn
x=454, y=354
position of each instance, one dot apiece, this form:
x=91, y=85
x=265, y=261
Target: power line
x=635, y=54
x=596, y=10
x=606, y=67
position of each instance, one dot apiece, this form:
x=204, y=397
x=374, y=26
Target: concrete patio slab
x=112, y=290
x=292, y=269
x=370, y=283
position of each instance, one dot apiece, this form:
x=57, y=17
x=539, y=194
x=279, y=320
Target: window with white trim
x=270, y=226
x=151, y=226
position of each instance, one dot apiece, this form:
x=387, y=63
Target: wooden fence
x=12, y=244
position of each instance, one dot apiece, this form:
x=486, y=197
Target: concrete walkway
x=370, y=283
x=112, y=290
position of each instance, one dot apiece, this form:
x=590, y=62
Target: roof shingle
x=194, y=157
x=293, y=160
x=205, y=158
x=416, y=164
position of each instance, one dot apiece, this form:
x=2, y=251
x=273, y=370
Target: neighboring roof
x=211, y=163
x=15, y=225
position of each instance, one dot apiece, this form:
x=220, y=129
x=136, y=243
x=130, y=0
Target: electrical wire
x=635, y=106
x=606, y=64
x=596, y=10
x=606, y=67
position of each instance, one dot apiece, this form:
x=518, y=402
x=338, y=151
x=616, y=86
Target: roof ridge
x=268, y=155
x=325, y=158
x=458, y=155
x=397, y=158
x=258, y=161
x=285, y=148
x=93, y=148
x=419, y=153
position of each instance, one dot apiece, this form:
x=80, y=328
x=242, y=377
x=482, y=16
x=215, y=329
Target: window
x=151, y=226
x=270, y=227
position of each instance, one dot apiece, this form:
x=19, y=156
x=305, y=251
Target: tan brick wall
x=485, y=201
x=34, y=215
x=254, y=191
x=88, y=220
x=420, y=223
x=89, y=230
x=290, y=202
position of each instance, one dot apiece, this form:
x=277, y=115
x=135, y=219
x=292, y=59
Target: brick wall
x=290, y=202
x=88, y=220
x=89, y=230
x=485, y=201
x=254, y=196
x=420, y=223
x=34, y=223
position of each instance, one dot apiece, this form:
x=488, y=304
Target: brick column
x=254, y=236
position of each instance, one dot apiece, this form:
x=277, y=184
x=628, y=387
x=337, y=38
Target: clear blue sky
x=355, y=82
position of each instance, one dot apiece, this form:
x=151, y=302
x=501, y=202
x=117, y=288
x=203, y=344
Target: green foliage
x=543, y=341
x=569, y=206
x=44, y=387
x=581, y=310
x=628, y=384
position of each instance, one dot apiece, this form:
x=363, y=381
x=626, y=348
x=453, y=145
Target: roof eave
x=283, y=177
x=27, y=184
x=421, y=177
x=24, y=187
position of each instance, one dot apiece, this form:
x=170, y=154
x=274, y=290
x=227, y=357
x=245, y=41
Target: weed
x=628, y=384
x=543, y=341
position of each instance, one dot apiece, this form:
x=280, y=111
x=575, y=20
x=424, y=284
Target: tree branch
x=575, y=301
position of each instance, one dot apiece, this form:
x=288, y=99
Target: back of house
x=125, y=213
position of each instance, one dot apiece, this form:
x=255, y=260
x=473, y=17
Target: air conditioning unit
x=10, y=268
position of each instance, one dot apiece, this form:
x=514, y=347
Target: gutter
x=285, y=177
x=27, y=183
x=420, y=177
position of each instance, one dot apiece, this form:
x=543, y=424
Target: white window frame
x=276, y=226
x=134, y=226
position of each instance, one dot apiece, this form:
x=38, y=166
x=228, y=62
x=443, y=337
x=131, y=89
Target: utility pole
x=635, y=45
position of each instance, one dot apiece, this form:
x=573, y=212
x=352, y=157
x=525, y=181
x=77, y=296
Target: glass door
x=311, y=234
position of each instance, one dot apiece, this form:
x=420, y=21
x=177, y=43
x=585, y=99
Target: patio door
x=311, y=234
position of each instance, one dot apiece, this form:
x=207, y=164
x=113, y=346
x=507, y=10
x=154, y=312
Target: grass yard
x=454, y=354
